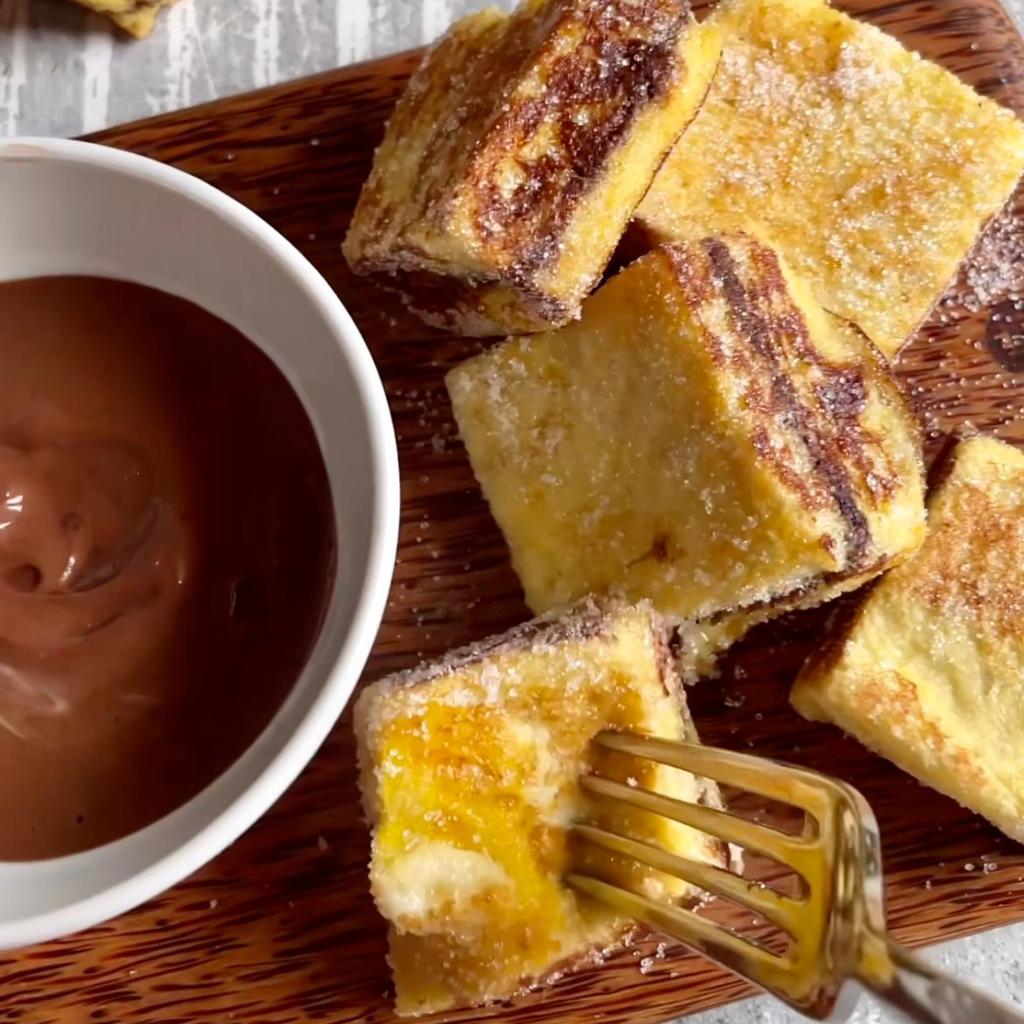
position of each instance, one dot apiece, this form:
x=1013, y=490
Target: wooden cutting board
x=280, y=928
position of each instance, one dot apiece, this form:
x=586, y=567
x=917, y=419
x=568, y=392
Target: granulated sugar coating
x=470, y=772
x=706, y=437
x=871, y=169
x=994, y=270
x=928, y=670
x=518, y=152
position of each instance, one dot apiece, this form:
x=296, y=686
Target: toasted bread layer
x=871, y=169
x=706, y=437
x=928, y=670
x=135, y=16
x=518, y=153
x=469, y=773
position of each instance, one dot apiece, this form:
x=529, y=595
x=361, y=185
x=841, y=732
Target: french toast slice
x=135, y=16
x=518, y=152
x=871, y=170
x=928, y=669
x=469, y=770
x=706, y=437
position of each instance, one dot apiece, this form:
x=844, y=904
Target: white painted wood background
x=64, y=71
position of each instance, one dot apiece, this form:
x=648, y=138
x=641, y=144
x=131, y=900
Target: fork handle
x=924, y=994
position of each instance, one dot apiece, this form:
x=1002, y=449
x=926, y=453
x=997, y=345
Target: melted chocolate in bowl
x=166, y=556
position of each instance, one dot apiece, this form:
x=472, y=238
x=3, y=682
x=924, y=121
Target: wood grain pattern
x=280, y=929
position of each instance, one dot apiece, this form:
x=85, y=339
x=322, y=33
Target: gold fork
x=836, y=929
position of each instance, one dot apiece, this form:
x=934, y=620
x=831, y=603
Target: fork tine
x=743, y=957
x=789, y=784
x=789, y=850
x=774, y=906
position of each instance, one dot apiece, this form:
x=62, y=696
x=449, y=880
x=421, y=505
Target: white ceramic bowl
x=75, y=208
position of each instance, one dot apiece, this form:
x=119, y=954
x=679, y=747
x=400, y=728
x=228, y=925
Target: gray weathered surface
x=64, y=71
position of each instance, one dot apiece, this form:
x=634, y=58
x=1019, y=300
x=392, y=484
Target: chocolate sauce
x=166, y=555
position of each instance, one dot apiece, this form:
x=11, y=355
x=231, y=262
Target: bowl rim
x=325, y=708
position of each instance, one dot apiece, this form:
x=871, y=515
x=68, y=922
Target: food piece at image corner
x=706, y=437
x=469, y=770
x=518, y=152
x=872, y=170
x=927, y=670
x=135, y=16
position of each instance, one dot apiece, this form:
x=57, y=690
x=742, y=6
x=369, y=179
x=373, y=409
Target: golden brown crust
x=623, y=56
x=775, y=465
x=926, y=670
x=898, y=695
x=469, y=768
x=955, y=575
x=842, y=452
x=480, y=197
x=584, y=620
x=816, y=590
x=804, y=138
x=441, y=114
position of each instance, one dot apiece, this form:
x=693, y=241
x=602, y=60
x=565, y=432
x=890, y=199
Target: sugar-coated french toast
x=469, y=772
x=928, y=670
x=135, y=16
x=706, y=436
x=871, y=169
x=518, y=152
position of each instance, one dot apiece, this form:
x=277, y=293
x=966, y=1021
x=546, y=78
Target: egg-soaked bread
x=929, y=670
x=135, y=16
x=518, y=152
x=706, y=436
x=470, y=772
x=871, y=170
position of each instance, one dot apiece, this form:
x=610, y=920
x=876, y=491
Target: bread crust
x=624, y=645
x=514, y=159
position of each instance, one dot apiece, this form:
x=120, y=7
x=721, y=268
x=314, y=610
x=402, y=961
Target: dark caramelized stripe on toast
x=626, y=58
x=775, y=335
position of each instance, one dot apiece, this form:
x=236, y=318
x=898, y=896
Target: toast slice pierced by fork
x=470, y=770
